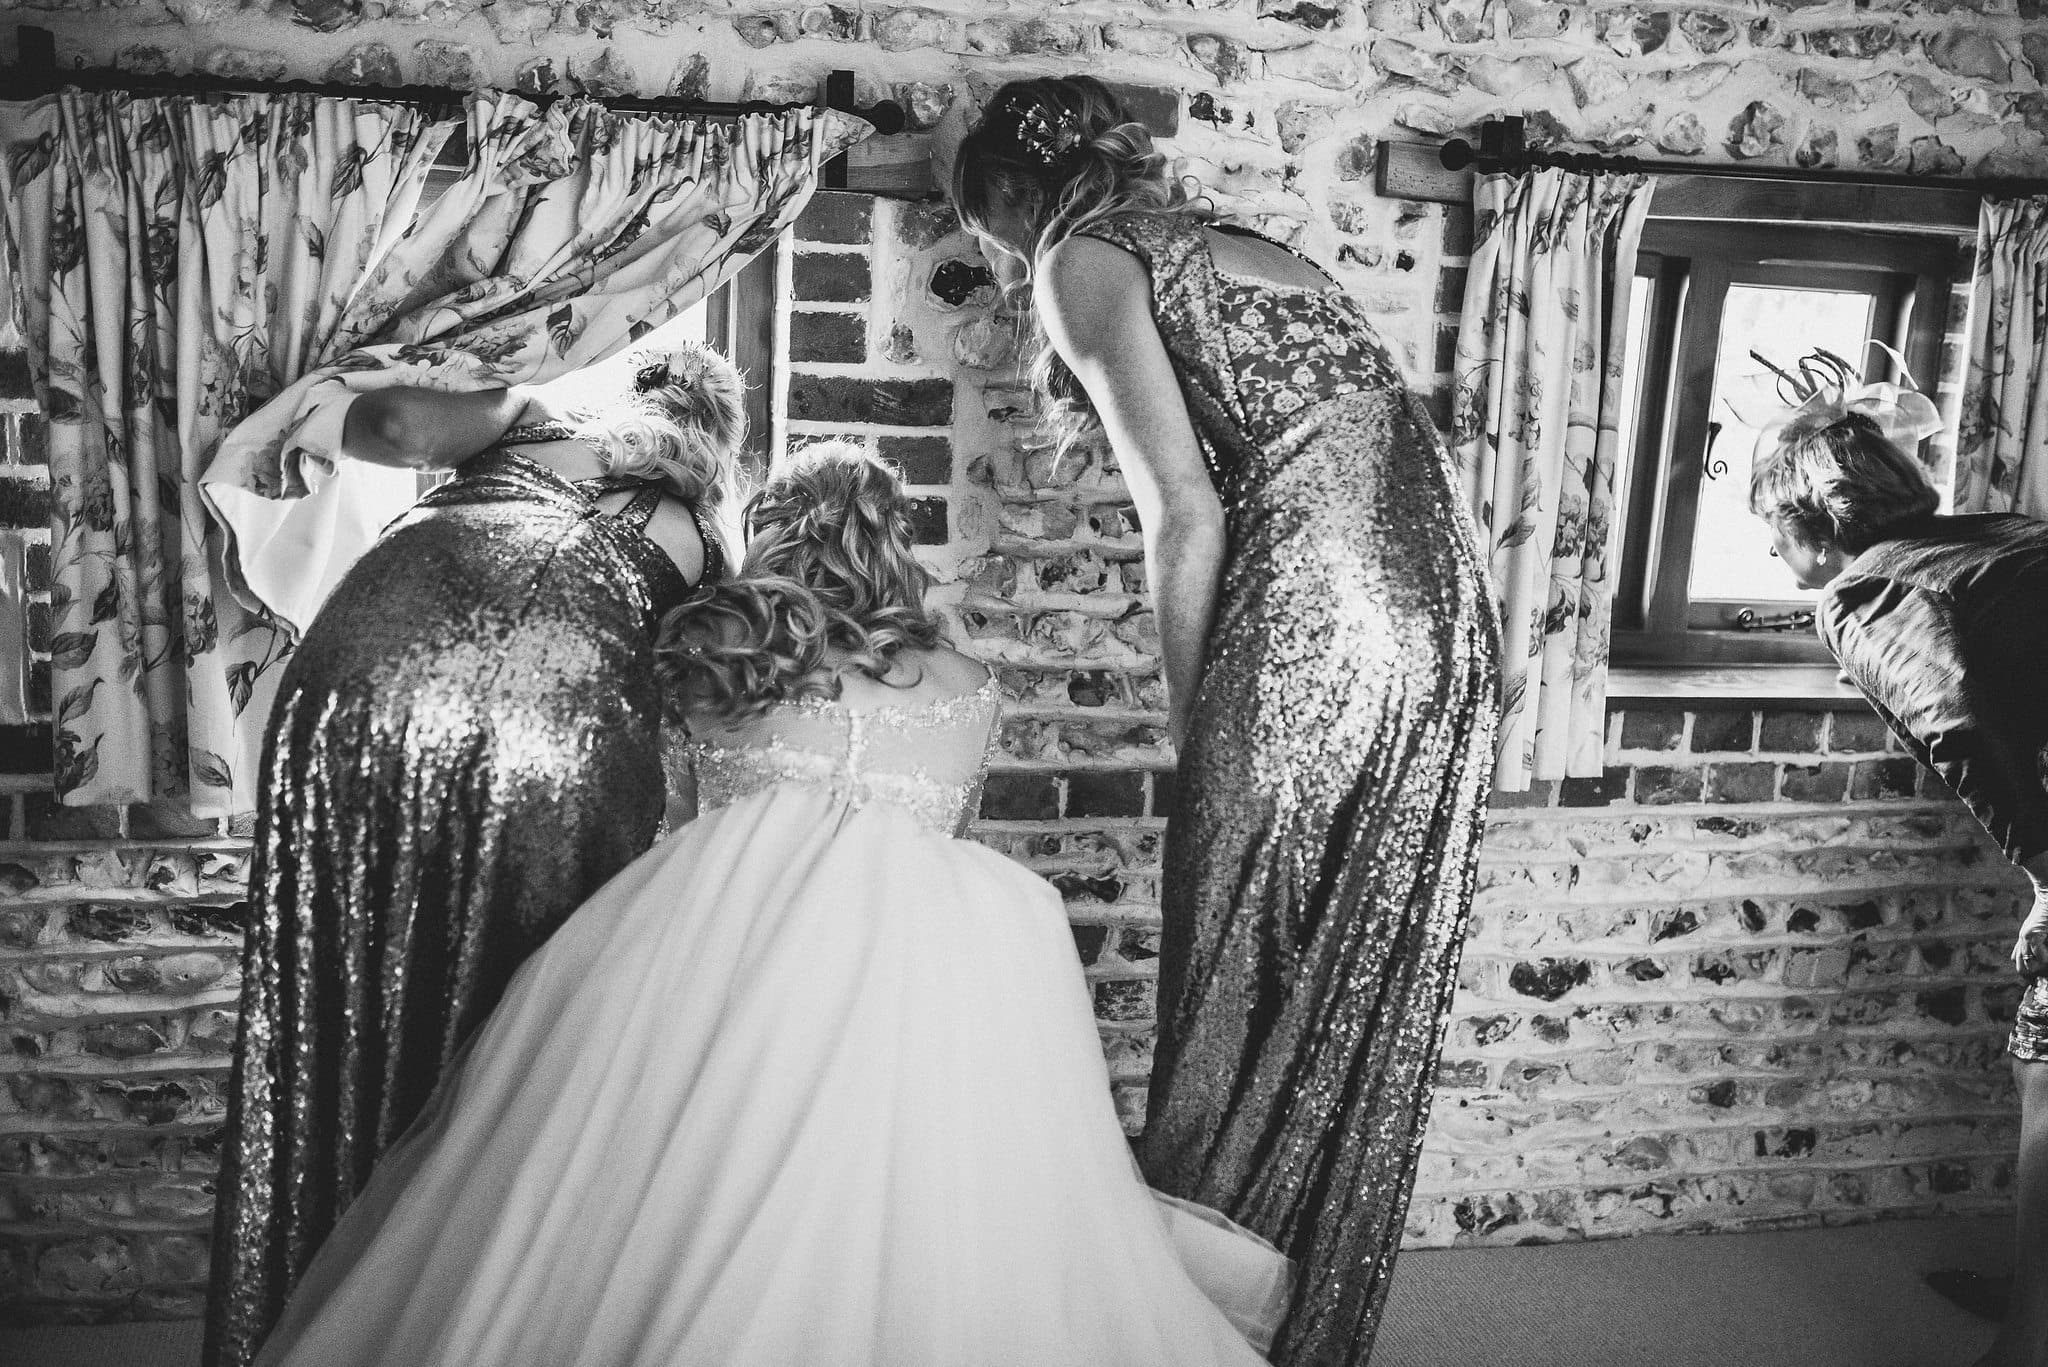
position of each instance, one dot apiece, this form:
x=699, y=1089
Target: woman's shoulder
x=953, y=670
x=1097, y=271
x=934, y=672
x=1143, y=231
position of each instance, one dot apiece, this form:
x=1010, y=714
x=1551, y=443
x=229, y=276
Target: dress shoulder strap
x=532, y=433
x=1147, y=236
x=714, y=553
x=640, y=510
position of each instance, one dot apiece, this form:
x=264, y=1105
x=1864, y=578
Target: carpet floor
x=1848, y=1297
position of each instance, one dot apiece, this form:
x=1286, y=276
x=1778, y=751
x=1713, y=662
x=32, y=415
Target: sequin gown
x=1319, y=857
x=463, y=749
x=810, y=1084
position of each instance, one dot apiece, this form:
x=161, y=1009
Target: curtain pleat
x=1536, y=418
x=204, y=283
x=2002, y=446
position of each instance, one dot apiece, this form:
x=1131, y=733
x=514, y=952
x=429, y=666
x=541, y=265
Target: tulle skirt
x=805, y=1084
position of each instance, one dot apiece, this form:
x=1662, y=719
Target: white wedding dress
x=810, y=1084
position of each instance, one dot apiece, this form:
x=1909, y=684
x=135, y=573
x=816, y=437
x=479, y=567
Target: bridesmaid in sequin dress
x=814, y=1082
x=464, y=748
x=1331, y=655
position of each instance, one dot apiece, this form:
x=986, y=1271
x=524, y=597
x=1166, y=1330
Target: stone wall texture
x=1751, y=975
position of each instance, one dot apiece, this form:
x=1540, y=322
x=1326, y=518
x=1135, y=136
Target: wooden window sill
x=1814, y=686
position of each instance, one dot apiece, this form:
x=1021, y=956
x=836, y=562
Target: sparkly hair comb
x=1047, y=138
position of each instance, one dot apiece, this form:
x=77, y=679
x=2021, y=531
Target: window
x=1697, y=582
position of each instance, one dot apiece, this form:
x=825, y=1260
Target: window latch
x=1749, y=619
x=1711, y=468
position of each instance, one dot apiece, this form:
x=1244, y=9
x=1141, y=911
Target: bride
x=813, y=1081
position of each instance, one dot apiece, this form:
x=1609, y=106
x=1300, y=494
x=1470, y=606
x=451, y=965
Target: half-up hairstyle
x=829, y=586
x=1064, y=152
x=680, y=425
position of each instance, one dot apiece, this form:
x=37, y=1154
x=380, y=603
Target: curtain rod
x=37, y=74
x=1501, y=148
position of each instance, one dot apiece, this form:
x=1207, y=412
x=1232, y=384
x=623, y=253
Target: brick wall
x=1750, y=975
x=119, y=933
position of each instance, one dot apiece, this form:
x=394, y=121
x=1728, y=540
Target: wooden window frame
x=741, y=321
x=1690, y=265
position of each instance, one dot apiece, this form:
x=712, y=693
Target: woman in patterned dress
x=1330, y=650
x=464, y=747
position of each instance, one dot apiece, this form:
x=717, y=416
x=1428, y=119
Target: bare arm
x=428, y=429
x=1095, y=301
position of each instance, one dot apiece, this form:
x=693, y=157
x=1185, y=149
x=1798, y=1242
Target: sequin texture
x=2030, y=1022
x=1320, y=856
x=465, y=746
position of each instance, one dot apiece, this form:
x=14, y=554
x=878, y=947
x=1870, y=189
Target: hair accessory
x=1049, y=138
x=1822, y=388
x=653, y=375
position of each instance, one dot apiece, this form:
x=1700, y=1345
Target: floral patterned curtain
x=572, y=232
x=174, y=258
x=207, y=282
x=1537, y=411
x=2002, y=448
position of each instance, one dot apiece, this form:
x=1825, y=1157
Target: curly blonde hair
x=828, y=571
x=680, y=425
x=1064, y=151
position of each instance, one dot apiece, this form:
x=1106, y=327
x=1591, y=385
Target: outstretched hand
x=2030, y=950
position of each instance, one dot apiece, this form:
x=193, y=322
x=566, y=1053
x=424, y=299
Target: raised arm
x=428, y=429
x=1095, y=302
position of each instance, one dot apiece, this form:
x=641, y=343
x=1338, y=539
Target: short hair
x=1840, y=479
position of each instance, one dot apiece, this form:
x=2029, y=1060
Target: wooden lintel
x=1413, y=170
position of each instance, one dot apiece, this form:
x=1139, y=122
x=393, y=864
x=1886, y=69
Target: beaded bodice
x=926, y=758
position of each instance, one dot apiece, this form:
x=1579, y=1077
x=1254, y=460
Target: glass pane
x=1641, y=307
x=1731, y=559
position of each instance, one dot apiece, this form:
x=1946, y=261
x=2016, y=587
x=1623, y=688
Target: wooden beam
x=1907, y=208
x=1414, y=170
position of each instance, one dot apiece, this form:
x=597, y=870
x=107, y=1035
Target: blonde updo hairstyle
x=1064, y=152
x=680, y=425
x=1840, y=479
x=829, y=586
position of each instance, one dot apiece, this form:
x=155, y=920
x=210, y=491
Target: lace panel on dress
x=927, y=759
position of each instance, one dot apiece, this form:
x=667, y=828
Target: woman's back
x=1945, y=629
x=918, y=740
x=1259, y=337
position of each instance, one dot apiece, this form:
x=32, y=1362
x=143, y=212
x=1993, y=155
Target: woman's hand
x=429, y=429
x=2030, y=950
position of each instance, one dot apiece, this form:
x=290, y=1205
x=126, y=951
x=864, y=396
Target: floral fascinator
x=1821, y=388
